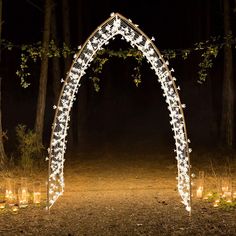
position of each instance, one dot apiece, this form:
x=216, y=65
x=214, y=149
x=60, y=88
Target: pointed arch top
x=117, y=24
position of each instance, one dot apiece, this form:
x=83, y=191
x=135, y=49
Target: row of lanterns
x=16, y=196
x=225, y=190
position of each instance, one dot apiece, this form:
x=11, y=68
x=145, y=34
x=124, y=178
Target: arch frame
x=117, y=24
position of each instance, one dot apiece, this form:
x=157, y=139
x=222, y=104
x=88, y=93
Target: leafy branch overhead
x=208, y=51
x=104, y=55
x=34, y=52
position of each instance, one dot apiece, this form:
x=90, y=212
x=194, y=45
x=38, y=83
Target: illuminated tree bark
x=2, y=151
x=39, y=122
x=56, y=69
x=227, y=118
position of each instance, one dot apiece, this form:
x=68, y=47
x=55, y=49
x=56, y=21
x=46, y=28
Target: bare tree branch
x=34, y=5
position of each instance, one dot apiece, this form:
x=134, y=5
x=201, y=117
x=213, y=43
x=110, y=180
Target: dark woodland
x=120, y=141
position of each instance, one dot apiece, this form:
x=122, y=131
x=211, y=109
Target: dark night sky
x=122, y=113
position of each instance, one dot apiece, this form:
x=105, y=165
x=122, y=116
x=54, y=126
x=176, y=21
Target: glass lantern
x=2, y=196
x=37, y=192
x=23, y=194
x=200, y=184
x=10, y=194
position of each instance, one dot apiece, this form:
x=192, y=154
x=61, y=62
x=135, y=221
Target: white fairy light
x=117, y=25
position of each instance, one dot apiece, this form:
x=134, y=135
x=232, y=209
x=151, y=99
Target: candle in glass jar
x=216, y=203
x=23, y=197
x=37, y=192
x=15, y=208
x=234, y=195
x=227, y=195
x=10, y=197
x=2, y=204
x=225, y=188
x=10, y=194
x=199, y=192
x=226, y=184
x=2, y=197
x=37, y=197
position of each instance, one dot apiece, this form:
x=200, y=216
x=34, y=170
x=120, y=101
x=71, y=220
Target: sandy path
x=122, y=198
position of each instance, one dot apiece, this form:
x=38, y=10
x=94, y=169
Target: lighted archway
x=117, y=25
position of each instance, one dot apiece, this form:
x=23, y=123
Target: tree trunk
x=66, y=29
x=56, y=69
x=228, y=92
x=2, y=151
x=0, y=28
x=39, y=123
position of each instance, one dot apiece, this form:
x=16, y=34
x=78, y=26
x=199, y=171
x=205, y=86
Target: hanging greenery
x=105, y=54
x=33, y=52
x=208, y=51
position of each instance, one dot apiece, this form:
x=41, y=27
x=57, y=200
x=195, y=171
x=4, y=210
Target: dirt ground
x=125, y=195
